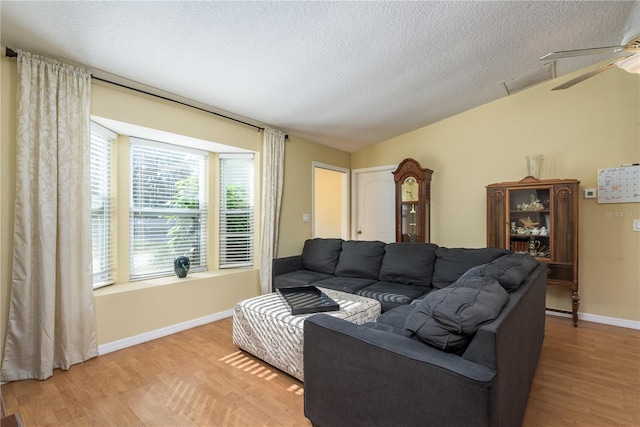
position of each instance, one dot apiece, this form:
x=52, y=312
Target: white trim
x=167, y=146
x=613, y=321
x=236, y=155
x=162, y=332
x=375, y=169
x=136, y=131
x=102, y=131
x=329, y=167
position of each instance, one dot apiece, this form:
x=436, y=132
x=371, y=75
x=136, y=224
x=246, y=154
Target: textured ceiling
x=344, y=74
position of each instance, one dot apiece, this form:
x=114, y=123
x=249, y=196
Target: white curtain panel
x=51, y=315
x=272, y=178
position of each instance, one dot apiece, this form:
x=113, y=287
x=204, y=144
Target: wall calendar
x=619, y=185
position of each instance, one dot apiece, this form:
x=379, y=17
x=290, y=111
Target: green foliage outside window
x=184, y=234
x=237, y=200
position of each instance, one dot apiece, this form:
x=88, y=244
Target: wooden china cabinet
x=540, y=218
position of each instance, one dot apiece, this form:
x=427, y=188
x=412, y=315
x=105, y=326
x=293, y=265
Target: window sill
x=164, y=281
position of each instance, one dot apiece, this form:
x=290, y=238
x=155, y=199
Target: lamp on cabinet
x=534, y=165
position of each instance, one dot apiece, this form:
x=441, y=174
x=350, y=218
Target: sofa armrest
x=355, y=375
x=285, y=265
x=513, y=343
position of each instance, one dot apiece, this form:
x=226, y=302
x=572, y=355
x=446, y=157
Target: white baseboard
x=162, y=332
x=613, y=321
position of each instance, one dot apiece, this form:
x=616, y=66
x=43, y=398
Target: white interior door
x=374, y=199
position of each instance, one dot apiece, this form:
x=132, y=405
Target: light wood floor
x=587, y=376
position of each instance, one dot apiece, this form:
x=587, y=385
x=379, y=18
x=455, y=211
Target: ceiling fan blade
x=581, y=52
x=588, y=75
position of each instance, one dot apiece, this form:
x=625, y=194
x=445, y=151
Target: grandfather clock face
x=410, y=190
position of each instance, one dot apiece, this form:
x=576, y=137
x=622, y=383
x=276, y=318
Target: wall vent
x=542, y=74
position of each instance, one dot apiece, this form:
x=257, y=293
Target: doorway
x=330, y=201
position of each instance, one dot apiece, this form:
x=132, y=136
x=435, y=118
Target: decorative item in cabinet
x=540, y=218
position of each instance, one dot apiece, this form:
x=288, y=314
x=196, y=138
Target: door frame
x=355, y=173
x=345, y=214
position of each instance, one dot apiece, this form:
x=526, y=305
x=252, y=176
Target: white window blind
x=236, y=210
x=102, y=205
x=167, y=208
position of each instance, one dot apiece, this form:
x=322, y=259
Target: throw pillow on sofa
x=451, y=263
x=509, y=270
x=321, y=255
x=448, y=318
x=408, y=263
x=360, y=258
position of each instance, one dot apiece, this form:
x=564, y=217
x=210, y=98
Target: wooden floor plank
x=587, y=376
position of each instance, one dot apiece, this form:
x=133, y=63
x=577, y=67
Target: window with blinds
x=102, y=205
x=236, y=210
x=167, y=208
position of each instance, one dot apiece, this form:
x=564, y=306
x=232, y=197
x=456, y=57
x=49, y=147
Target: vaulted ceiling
x=343, y=74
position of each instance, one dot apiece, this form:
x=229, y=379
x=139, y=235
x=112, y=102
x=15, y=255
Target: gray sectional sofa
x=393, y=273
x=457, y=343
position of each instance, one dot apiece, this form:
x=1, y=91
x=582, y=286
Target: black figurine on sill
x=181, y=266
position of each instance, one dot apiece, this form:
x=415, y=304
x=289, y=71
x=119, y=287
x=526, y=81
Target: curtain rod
x=10, y=53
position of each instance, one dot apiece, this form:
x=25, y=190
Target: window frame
x=103, y=203
x=230, y=243
x=121, y=230
x=158, y=214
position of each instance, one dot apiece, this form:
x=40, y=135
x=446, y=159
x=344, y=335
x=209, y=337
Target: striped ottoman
x=264, y=326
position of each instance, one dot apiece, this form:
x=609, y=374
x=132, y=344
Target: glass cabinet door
x=529, y=221
x=410, y=227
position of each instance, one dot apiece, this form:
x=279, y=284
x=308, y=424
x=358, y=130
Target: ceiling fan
x=629, y=59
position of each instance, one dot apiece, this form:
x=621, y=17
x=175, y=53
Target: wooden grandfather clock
x=413, y=194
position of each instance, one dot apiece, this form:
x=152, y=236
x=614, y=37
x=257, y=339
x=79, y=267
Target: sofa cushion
x=344, y=284
x=451, y=263
x=321, y=255
x=408, y=263
x=360, y=259
x=447, y=318
x=298, y=278
x=391, y=294
x=430, y=331
x=509, y=270
x=396, y=317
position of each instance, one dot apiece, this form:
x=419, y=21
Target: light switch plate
x=305, y=217
x=636, y=225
